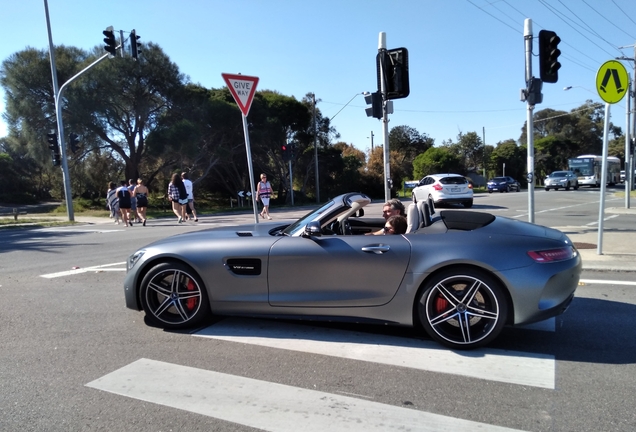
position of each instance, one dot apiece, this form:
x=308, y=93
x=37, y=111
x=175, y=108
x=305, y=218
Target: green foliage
x=434, y=161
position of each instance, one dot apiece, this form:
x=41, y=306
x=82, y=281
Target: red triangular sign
x=242, y=88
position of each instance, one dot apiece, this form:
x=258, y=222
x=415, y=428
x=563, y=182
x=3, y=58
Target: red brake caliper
x=441, y=304
x=191, y=302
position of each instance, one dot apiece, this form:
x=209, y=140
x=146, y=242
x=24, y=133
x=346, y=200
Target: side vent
x=244, y=266
x=244, y=233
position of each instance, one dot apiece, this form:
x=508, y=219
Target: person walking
x=133, y=216
x=124, y=197
x=263, y=193
x=141, y=194
x=113, y=201
x=188, y=185
x=179, y=197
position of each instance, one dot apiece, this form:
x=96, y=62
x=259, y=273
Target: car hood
x=225, y=232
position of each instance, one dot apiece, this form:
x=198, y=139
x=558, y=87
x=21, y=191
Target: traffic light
x=73, y=142
x=395, y=65
x=135, y=46
x=286, y=152
x=548, y=56
x=375, y=100
x=111, y=43
x=51, y=137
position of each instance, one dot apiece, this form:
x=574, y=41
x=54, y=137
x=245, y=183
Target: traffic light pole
x=527, y=35
x=385, y=119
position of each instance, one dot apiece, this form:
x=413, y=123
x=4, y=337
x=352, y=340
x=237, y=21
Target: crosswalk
x=276, y=407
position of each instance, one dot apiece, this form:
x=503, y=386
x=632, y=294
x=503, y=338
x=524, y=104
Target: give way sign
x=242, y=88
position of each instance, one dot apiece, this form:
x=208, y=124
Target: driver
x=392, y=207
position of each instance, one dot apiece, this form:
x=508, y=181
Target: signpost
x=612, y=83
x=243, y=88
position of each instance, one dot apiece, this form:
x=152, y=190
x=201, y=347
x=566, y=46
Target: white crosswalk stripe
x=268, y=406
x=535, y=370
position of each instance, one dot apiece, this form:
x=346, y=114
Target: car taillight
x=553, y=255
x=470, y=186
x=437, y=187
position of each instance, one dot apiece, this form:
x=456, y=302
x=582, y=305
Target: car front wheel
x=173, y=296
x=462, y=309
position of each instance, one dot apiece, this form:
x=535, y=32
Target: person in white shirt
x=188, y=185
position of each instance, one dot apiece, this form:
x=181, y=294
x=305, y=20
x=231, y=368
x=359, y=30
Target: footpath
x=617, y=251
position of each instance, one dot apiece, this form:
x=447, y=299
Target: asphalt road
x=73, y=358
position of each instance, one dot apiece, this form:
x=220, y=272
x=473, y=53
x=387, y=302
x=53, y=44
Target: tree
x=507, y=152
x=434, y=161
x=405, y=144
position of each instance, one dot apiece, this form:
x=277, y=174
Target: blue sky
x=467, y=58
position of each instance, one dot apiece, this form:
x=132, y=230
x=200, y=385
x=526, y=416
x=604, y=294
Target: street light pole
x=527, y=35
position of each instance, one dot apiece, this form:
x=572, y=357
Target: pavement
x=617, y=251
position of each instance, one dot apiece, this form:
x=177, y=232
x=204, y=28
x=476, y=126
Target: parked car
x=444, y=189
x=503, y=184
x=462, y=275
x=561, y=179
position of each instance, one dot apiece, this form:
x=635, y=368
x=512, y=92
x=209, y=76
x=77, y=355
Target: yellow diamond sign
x=612, y=81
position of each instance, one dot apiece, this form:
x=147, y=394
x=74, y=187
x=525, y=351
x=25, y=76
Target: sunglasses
x=388, y=229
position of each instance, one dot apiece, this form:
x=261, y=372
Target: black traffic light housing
x=135, y=45
x=548, y=56
x=375, y=100
x=51, y=137
x=395, y=65
x=73, y=141
x=286, y=152
x=110, y=41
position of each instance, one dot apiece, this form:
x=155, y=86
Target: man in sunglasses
x=392, y=207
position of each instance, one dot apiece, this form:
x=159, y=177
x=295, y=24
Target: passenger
x=392, y=207
x=396, y=224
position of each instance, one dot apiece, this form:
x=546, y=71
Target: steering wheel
x=345, y=227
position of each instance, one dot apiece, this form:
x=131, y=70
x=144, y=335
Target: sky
x=466, y=57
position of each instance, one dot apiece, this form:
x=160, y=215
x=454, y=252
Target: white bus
x=588, y=169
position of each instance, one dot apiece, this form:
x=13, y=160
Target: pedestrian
x=188, y=185
x=113, y=201
x=133, y=216
x=141, y=194
x=179, y=196
x=124, y=197
x=263, y=193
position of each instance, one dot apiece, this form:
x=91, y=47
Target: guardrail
x=15, y=213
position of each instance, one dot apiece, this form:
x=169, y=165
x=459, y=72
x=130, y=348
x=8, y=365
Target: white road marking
x=103, y=267
x=530, y=369
x=268, y=406
x=607, y=282
x=605, y=219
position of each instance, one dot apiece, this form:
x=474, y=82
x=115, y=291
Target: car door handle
x=377, y=249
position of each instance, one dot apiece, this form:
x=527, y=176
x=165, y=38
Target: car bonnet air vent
x=244, y=266
x=244, y=233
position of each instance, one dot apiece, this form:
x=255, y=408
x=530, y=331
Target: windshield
x=498, y=179
x=453, y=180
x=558, y=174
x=312, y=215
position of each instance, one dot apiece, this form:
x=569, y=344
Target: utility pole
x=385, y=118
x=313, y=97
x=371, y=141
x=527, y=36
x=630, y=136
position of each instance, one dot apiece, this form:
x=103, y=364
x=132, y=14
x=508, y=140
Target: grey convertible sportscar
x=460, y=275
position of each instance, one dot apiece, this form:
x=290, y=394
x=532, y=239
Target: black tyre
x=174, y=297
x=567, y=186
x=462, y=309
x=468, y=204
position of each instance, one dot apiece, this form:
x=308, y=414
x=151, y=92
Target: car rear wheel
x=468, y=204
x=173, y=296
x=462, y=309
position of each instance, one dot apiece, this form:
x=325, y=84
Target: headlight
x=132, y=260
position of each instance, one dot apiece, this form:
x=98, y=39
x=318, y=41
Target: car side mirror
x=312, y=229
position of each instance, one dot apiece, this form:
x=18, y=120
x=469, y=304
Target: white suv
x=443, y=189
